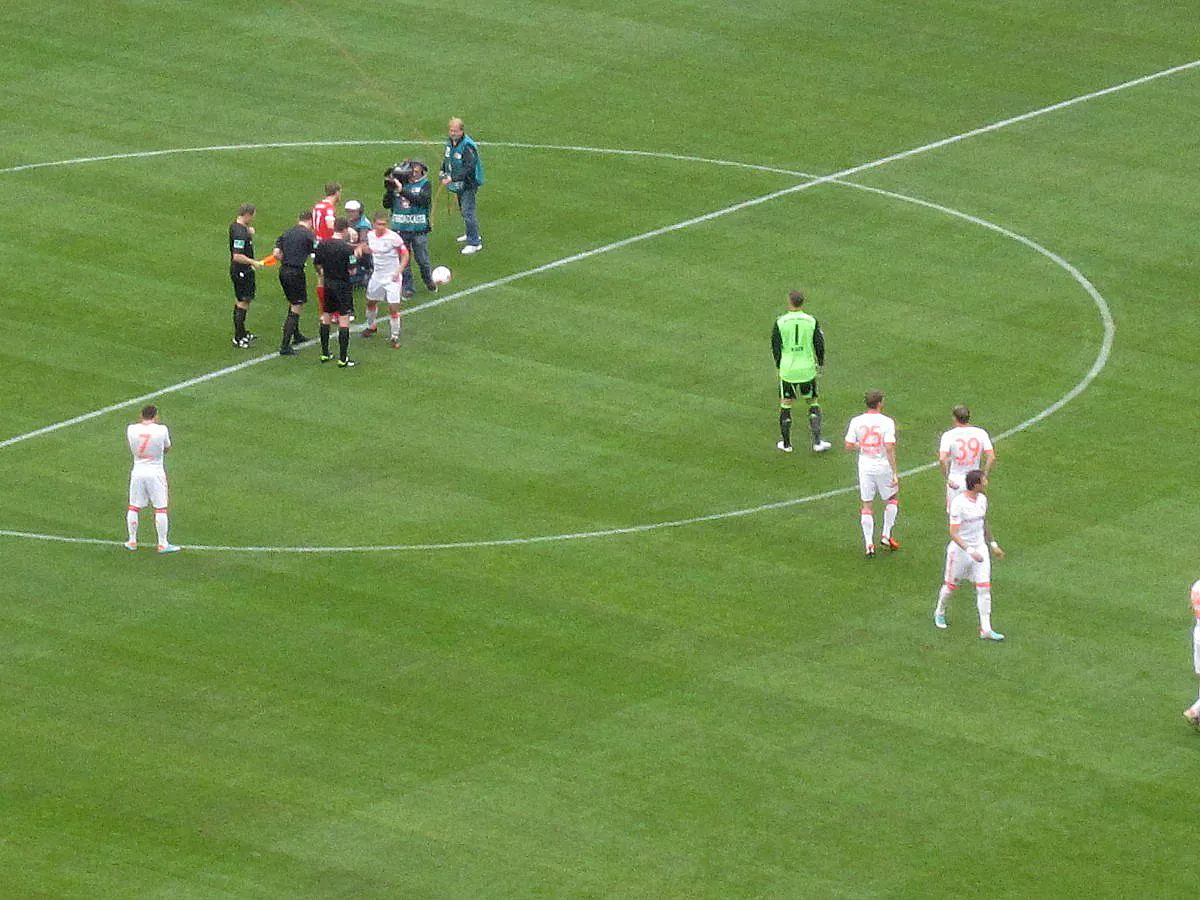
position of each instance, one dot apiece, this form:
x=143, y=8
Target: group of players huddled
x=350, y=251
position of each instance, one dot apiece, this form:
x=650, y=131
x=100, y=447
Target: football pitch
x=532, y=606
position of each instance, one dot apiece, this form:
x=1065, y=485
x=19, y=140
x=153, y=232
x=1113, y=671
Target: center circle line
x=814, y=180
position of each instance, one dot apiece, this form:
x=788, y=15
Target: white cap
x=353, y=204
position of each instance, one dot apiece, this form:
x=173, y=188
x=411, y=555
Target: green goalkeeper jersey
x=798, y=345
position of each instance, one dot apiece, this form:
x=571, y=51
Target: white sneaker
x=786, y=448
x=471, y=249
x=131, y=545
x=168, y=548
x=821, y=446
x=462, y=238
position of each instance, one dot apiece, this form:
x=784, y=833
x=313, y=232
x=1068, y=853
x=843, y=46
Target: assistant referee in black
x=241, y=271
x=293, y=249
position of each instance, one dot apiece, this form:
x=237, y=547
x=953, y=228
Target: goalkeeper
x=799, y=349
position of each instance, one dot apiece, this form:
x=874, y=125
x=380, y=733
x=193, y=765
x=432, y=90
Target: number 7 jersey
x=148, y=441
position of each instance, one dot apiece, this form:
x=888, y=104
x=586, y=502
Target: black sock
x=785, y=426
x=324, y=332
x=814, y=424
x=239, y=322
x=289, y=328
x=344, y=343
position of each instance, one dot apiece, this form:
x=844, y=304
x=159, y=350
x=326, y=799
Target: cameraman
x=409, y=196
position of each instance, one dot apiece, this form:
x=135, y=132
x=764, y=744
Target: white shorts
x=875, y=481
x=148, y=489
x=383, y=288
x=961, y=567
x=1196, y=648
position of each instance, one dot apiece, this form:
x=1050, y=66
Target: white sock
x=868, y=529
x=983, y=600
x=395, y=325
x=372, y=314
x=889, y=517
x=160, y=523
x=943, y=598
x=131, y=520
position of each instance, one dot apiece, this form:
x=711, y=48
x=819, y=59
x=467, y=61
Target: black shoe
x=241, y=343
x=299, y=339
x=286, y=351
x=346, y=364
x=251, y=336
x=432, y=288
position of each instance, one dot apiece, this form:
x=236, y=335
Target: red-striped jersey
x=870, y=432
x=964, y=446
x=148, y=441
x=968, y=514
x=323, y=215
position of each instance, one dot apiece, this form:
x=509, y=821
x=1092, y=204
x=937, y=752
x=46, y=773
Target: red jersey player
x=324, y=212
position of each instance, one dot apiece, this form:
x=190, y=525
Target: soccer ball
x=441, y=275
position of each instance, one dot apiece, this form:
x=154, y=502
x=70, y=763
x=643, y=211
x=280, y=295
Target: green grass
x=739, y=707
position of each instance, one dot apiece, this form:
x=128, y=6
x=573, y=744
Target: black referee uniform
x=333, y=257
x=241, y=240
x=295, y=246
x=241, y=246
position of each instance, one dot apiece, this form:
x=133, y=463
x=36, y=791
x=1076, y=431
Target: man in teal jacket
x=462, y=173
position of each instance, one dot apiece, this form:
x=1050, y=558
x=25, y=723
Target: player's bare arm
x=991, y=541
x=944, y=462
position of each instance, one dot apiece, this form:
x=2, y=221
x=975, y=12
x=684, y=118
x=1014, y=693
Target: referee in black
x=241, y=271
x=333, y=258
x=292, y=249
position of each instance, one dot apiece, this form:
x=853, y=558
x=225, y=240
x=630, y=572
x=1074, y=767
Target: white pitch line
x=1106, y=319
x=292, y=145
x=1093, y=372
x=134, y=401
x=607, y=248
x=836, y=177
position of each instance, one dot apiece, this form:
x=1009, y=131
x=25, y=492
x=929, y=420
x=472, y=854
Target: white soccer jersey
x=148, y=441
x=1196, y=627
x=969, y=516
x=963, y=446
x=385, y=249
x=872, y=432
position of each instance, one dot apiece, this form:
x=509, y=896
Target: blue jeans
x=466, y=203
x=418, y=250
